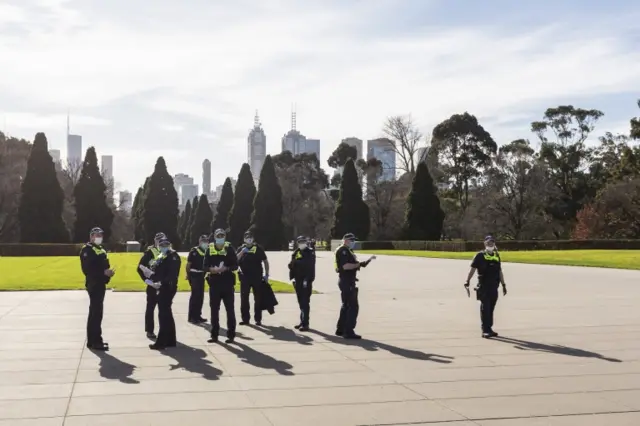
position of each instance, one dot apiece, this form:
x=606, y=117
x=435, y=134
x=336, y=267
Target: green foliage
x=137, y=210
x=160, y=205
x=90, y=197
x=342, y=154
x=42, y=199
x=190, y=220
x=183, y=223
x=352, y=213
x=201, y=221
x=635, y=126
x=221, y=220
x=424, y=217
x=267, y=224
x=242, y=210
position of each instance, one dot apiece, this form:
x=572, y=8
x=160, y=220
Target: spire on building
x=256, y=120
x=68, y=127
x=293, y=117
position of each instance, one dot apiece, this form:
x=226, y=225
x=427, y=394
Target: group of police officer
x=215, y=262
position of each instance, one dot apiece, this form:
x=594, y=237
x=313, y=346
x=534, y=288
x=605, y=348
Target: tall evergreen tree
x=137, y=212
x=41, y=199
x=240, y=216
x=424, y=216
x=192, y=218
x=184, y=222
x=90, y=197
x=352, y=213
x=267, y=224
x=201, y=221
x=160, y=205
x=221, y=220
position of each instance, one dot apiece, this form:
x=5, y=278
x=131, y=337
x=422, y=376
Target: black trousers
x=350, y=308
x=222, y=292
x=246, y=285
x=196, y=281
x=96, y=293
x=149, y=314
x=304, y=300
x=167, y=332
x=488, y=299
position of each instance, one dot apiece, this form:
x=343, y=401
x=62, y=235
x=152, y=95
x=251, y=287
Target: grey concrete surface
x=570, y=356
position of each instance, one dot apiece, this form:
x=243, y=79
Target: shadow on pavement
x=193, y=360
x=284, y=334
x=223, y=331
x=372, y=345
x=554, y=349
x=259, y=359
x=114, y=369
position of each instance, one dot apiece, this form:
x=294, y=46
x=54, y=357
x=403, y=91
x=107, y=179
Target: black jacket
x=268, y=300
x=213, y=257
x=94, y=261
x=148, y=260
x=303, y=265
x=167, y=269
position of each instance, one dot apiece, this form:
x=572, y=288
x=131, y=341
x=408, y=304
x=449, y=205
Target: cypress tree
x=201, y=220
x=267, y=224
x=90, y=197
x=223, y=210
x=137, y=212
x=240, y=216
x=424, y=216
x=160, y=205
x=41, y=199
x=184, y=222
x=192, y=217
x=352, y=213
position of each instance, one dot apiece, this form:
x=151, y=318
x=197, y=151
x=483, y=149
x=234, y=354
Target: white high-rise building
x=296, y=143
x=107, y=167
x=383, y=150
x=55, y=156
x=187, y=192
x=257, y=148
x=206, y=177
x=74, y=149
x=355, y=142
x=181, y=179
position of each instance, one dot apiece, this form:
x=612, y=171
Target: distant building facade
x=206, y=177
x=383, y=150
x=256, y=148
x=107, y=167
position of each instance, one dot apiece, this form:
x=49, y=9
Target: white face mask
x=302, y=246
x=248, y=241
x=97, y=240
x=490, y=249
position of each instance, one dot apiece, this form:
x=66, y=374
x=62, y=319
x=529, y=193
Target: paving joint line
x=73, y=386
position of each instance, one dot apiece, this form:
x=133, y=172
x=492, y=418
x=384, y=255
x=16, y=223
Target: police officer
x=148, y=259
x=251, y=256
x=487, y=263
x=221, y=262
x=97, y=271
x=302, y=272
x=195, y=275
x=347, y=266
x=165, y=274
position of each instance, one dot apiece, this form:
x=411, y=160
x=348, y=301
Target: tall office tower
x=355, y=142
x=55, y=156
x=187, y=192
x=74, y=146
x=107, y=167
x=257, y=148
x=422, y=154
x=206, y=177
x=125, y=201
x=179, y=180
x=383, y=150
x=297, y=143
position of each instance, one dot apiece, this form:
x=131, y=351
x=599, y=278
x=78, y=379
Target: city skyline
x=502, y=62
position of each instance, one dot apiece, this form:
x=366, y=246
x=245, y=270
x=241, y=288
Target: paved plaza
x=569, y=354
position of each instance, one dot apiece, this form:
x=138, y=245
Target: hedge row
x=462, y=246
x=12, y=250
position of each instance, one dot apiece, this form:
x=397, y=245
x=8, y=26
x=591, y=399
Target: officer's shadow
x=223, y=331
x=284, y=334
x=114, y=369
x=372, y=345
x=555, y=349
x=259, y=359
x=193, y=360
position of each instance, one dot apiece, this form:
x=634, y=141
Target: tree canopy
x=201, y=221
x=160, y=205
x=352, y=213
x=240, y=216
x=424, y=217
x=223, y=210
x=266, y=223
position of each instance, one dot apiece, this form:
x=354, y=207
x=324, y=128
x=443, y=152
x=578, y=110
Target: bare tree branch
x=406, y=138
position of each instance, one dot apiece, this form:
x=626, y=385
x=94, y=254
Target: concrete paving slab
x=568, y=355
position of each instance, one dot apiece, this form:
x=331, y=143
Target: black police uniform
x=94, y=261
x=348, y=292
x=222, y=288
x=489, y=268
x=251, y=273
x=196, y=274
x=166, y=272
x=302, y=268
x=148, y=259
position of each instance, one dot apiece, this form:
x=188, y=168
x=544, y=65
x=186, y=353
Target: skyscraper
x=355, y=142
x=107, y=167
x=74, y=146
x=55, y=156
x=297, y=143
x=206, y=177
x=187, y=192
x=383, y=150
x=422, y=154
x=257, y=147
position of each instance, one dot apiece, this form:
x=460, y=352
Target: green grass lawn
x=620, y=259
x=63, y=273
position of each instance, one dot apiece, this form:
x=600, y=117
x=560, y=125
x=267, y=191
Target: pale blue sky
x=182, y=79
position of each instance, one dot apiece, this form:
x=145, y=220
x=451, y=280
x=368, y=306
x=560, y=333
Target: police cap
x=301, y=239
x=164, y=242
x=96, y=231
x=204, y=237
x=159, y=236
x=220, y=232
x=349, y=237
x=248, y=234
x=489, y=238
